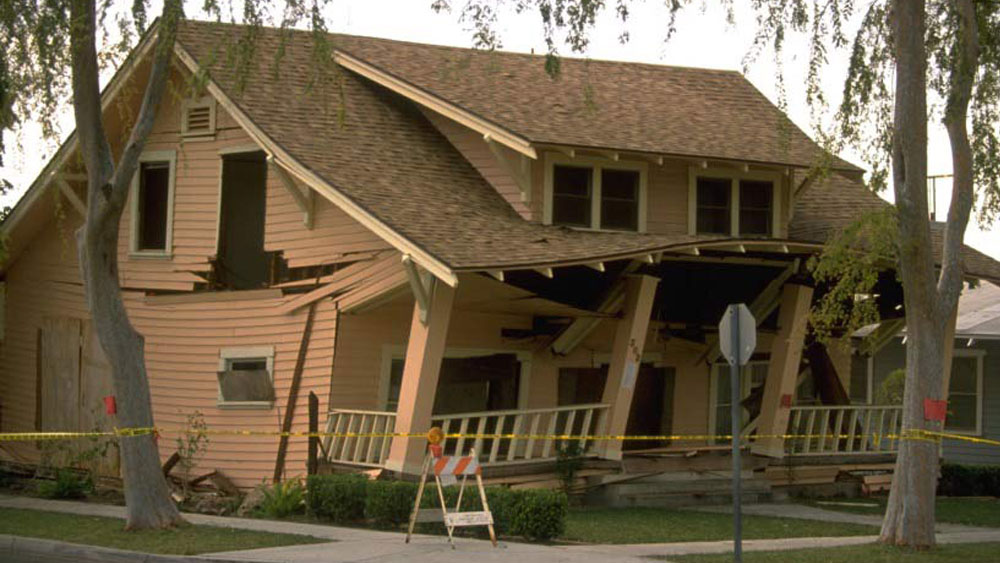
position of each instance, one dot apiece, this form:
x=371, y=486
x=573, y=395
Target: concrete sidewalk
x=357, y=545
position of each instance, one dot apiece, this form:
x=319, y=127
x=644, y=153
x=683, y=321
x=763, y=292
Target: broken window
x=152, y=202
x=246, y=377
x=241, y=262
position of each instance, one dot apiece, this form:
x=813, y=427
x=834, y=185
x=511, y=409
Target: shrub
x=388, y=503
x=68, y=484
x=282, y=499
x=969, y=480
x=539, y=514
x=338, y=498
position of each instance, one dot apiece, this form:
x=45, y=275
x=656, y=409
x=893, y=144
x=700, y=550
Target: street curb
x=17, y=549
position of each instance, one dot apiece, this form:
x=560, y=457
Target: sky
x=703, y=39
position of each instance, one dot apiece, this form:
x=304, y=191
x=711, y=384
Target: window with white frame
x=152, y=202
x=246, y=377
x=728, y=202
x=595, y=194
x=965, y=391
x=720, y=411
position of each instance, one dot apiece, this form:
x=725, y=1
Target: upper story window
x=730, y=203
x=152, y=200
x=595, y=194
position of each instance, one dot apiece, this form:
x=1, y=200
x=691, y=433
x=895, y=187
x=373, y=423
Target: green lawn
x=653, y=525
x=971, y=511
x=963, y=553
x=109, y=532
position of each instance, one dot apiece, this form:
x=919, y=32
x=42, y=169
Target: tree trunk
x=930, y=299
x=909, y=516
x=146, y=494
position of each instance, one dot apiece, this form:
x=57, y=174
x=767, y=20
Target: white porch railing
x=577, y=420
x=359, y=450
x=847, y=429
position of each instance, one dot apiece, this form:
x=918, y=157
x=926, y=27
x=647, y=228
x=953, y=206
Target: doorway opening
x=241, y=262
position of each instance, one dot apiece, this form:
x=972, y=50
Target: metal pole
x=737, y=418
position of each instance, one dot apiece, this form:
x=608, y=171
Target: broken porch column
x=421, y=368
x=626, y=355
x=783, y=369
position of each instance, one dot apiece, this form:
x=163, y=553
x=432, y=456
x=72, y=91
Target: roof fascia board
x=70, y=144
x=285, y=160
x=425, y=98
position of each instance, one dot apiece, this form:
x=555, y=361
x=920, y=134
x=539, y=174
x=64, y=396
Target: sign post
x=737, y=340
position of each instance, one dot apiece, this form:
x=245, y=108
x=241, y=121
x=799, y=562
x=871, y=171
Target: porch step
x=677, y=490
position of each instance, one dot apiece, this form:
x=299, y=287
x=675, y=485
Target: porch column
x=783, y=369
x=626, y=355
x=421, y=369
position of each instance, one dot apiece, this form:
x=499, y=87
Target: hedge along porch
x=549, y=352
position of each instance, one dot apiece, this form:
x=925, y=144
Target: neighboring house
x=974, y=386
x=482, y=246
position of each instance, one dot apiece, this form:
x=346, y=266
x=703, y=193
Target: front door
x=651, y=412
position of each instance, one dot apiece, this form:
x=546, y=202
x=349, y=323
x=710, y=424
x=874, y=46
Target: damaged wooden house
x=449, y=237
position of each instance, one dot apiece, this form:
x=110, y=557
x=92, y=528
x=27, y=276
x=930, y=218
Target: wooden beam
x=882, y=335
x=599, y=266
x=521, y=172
x=421, y=370
x=293, y=394
x=783, y=369
x=421, y=290
x=70, y=195
x=496, y=274
x=303, y=197
x=761, y=307
x=626, y=354
x=547, y=272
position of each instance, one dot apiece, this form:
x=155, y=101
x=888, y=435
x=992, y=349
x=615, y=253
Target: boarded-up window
x=245, y=377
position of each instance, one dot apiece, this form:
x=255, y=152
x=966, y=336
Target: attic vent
x=198, y=117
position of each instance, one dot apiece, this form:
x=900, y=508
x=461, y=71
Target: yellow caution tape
x=906, y=434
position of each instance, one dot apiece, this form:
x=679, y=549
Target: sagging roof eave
x=314, y=181
x=773, y=245
x=777, y=246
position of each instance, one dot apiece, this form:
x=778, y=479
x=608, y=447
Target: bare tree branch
x=166, y=35
x=955, y=120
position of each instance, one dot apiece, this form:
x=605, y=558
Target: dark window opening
x=756, y=200
x=572, y=189
x=620, y=199
x=713, y=206
x=242, y=262
x=154, y=200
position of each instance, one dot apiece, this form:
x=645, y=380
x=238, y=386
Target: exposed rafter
x=520, y=170
x=422, y=286
x=303, y=196
x=762, y=306
x=67, y=191
x=882, y=335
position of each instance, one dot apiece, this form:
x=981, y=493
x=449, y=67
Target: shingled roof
x=827, y=207
x=599, y=104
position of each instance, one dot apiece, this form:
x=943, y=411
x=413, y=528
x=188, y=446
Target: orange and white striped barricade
x=445, y=467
